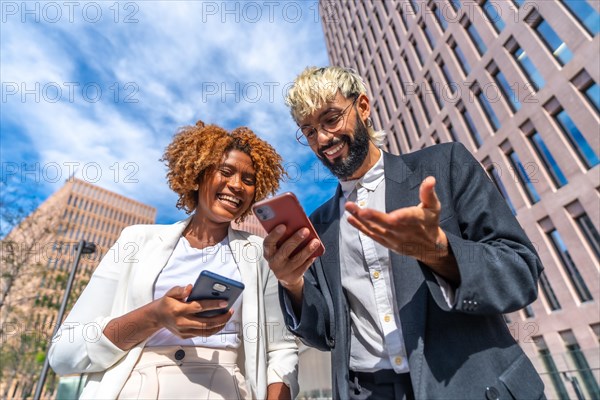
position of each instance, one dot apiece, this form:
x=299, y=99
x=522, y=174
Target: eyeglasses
x=332, y=123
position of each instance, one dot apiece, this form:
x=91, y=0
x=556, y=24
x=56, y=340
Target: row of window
x=106, y=211
x=579, y=375
x=103, y=196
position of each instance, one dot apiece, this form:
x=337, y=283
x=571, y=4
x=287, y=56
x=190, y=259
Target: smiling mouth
x=231, y=200
x=334, y=151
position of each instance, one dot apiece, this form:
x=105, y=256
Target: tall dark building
x=516, y=81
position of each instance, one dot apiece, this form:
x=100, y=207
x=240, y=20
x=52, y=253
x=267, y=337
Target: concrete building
x=516, y=81
x=39, y=254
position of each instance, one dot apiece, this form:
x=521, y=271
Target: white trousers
x=175, y=372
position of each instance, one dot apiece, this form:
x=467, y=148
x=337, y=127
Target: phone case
x=212, y=286
x=286, y=209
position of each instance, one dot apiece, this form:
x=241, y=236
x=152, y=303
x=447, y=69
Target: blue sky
x=99, y=88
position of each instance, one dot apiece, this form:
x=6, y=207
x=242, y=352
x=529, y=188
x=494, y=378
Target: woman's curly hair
x=196, y=151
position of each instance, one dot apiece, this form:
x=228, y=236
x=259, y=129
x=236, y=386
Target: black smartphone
x=286, y=209
x=212, y=286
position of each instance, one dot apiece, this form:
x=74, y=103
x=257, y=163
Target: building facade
x=40, y=252
x=516, y=81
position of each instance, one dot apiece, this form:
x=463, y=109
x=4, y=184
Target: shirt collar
x=369, y=181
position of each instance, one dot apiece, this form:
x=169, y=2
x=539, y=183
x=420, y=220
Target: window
x=411, y=113
x=582, y=368
x=462, y=59
x=434, y=87
x=408, y=67
x=476, y=38
x=548, y=160
x=471, y=127
x=589, y=231
x=550, y=365
x=455, y=4
x=569, y=265
x=593, y=95
x=406, y=134
x=519, y=3
x=452, y=133
x=507, y=91
x=528, y=311
x=428, y=35
x=448, y=77
x=439, y=16
x=532, y=73
x=493, y=14
x=523, y=176
x=488, y=110
x=557, y=46
x=424, y=107
x=583, y=148
x=585, y=13
x=548, y=292
x=417, y=51
x=495, y=176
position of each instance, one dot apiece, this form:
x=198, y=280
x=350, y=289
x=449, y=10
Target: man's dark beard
x=357, y=152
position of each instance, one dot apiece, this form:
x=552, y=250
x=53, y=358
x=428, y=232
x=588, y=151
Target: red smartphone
x=286, y=209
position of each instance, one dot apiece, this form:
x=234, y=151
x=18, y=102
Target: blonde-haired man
x=422, y=258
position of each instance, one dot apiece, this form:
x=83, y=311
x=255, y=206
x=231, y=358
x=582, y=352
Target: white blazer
x=124, y=281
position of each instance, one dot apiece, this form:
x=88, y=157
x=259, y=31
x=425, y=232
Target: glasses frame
x=303, y=140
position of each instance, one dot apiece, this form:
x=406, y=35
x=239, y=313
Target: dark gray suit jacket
x=460, y=352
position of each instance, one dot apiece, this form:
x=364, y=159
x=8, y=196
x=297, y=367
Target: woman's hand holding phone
x=179, y=317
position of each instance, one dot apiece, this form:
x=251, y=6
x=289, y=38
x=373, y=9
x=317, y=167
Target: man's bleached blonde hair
x=315, y=87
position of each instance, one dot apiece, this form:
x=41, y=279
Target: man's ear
x=363, y=106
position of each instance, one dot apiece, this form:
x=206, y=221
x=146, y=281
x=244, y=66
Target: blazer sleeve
x=499, y=267
x=79, y=345
x=315, y=325
x=282, y=349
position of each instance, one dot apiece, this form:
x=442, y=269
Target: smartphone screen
x=212, y=286
x=286, y=209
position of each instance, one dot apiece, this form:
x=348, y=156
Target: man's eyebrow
x=325, y=111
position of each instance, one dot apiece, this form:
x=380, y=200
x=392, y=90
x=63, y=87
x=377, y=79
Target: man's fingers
x=427, y=194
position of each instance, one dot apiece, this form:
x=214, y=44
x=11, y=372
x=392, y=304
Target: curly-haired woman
x=132, y=330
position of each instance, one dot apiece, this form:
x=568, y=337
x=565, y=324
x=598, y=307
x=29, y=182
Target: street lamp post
x=83, y=247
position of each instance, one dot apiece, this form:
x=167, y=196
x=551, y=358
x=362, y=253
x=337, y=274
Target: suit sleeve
x=314, y=325
x=498, y=265
x=79, y=345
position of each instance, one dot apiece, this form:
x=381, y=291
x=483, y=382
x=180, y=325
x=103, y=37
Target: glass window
x=411, y=112
x=549, y=162
x=429, y=36
x=434, y=87
x=569, y=265
x=424, y=107
x=471, y=128
x=495, y=176
x=507, y=91
x=477, y=40
x=408, y=68
x=582, y=368
x=585, y=13
x=589, y=231
x=439, y=16
x=463, y=60
x=593, y=94
x=488, y=110
x=493, y=13
x=448, y=77
x=550, y=365
x=557, y=46
x=528, y=311
x=549, y=292
x=583, y=148
x=406, y=134
x=417, y=52
x=529, y=68
x=524, y=178
x=452, y=132
x=519, y=3
x=455, y=4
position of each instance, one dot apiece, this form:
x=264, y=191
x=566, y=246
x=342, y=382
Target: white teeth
x=335, y=149
x=230, y=198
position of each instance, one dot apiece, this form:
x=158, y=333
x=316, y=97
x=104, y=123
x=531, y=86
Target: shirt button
x=179, y=355
x=398, y=360
x=387, y=318
x=376, y=274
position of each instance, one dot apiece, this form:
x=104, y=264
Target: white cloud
x=173, y=60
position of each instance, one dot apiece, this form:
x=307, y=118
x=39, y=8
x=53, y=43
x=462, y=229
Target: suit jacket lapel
x=402, y=190
x=153, y=260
